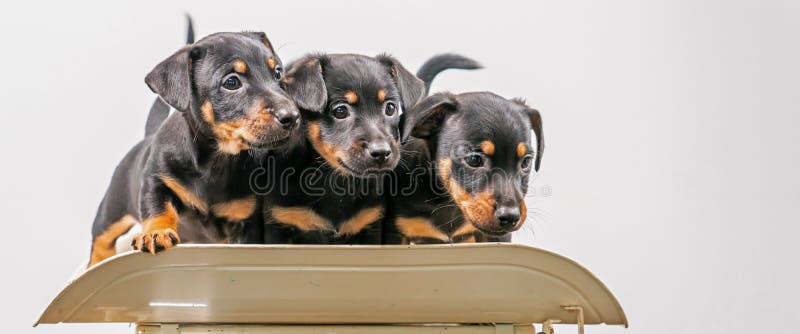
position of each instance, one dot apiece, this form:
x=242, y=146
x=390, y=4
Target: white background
x=672, y=143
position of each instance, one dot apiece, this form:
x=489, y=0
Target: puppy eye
x=341, y=112
x=526, y=162
x=474, y=160
x=232, y=83
x=278, y=72
x=390, y=109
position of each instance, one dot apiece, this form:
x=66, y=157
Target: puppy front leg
x=160, y=218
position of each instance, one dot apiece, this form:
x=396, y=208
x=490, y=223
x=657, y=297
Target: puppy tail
x=438, y=63
x=189, y=29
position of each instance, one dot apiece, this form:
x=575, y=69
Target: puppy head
x=229, y=84
x=351, y=105
x=483, y=152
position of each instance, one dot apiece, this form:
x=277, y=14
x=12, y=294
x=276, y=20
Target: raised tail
x=160, y=109
x=438, y=63
x=189, y=29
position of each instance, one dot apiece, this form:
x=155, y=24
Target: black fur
x=192, y=149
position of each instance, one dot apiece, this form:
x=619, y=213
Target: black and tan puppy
x=195, y=167
x=329, y=188
x=465, y=172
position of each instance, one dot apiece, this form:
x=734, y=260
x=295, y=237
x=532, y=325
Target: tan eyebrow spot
x=351, y=97
x=239, y=67
x=521, y=150
x=381, y=95
x=487, y=147
x=271, y=63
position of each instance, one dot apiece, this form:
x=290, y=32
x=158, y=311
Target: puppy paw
x=155, y=241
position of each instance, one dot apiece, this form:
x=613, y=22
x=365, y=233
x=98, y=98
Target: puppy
x=332, y=189
x=465, y=171
x=194, y=169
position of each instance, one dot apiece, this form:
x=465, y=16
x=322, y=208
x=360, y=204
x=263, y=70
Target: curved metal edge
x=117, y=258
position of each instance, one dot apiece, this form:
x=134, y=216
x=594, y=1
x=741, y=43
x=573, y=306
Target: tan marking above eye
x=351, y=97
x=381, y=95
x=271, y=63
x=487, y=146
x=522, y=149
x=235, y=210
x=419, y=228
x=239, y=66
x=361, y=220
x=302, y=218
x=185, y=195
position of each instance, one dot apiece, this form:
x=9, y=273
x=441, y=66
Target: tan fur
x=207, y=112
x=302, y=218
x=185, y=195
x=465, y=228
x=330, y=153
x=271, y=63
x=351, y=97
x=381, y=95
x=521, y=150
x=239, y=66
x=104, y=245
x=158, y=229
x=361, y=220
x=477, y=208
x=419, y=228
x=235, y=210
x=487, y=147
x=236, y=135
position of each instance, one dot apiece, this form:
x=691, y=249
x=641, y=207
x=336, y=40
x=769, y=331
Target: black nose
x=287, y=118
x=507, y=217
x=379, y=152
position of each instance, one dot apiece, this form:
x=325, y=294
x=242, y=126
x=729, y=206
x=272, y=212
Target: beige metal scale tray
x=356, y=285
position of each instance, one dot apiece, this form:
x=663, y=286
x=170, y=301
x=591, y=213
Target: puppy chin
x=363, y=170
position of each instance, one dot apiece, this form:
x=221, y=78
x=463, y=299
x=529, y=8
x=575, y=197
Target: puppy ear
x=171, y=80
x=426, y=117
x=411, y=88
x=536, y=126
x=306, y=85
x=262, y=37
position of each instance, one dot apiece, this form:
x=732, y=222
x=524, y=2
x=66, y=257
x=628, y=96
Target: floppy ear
x=426, y=117
x=536, y=126
x=305, y=84
x=262, y=37
x=170, y=79
x=411, y=88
